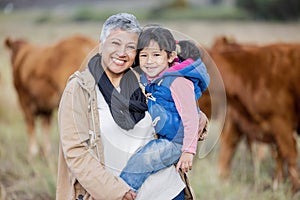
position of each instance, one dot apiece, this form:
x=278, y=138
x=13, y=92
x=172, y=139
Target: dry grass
x=21, y=178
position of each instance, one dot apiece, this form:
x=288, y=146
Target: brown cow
x=263, y=94
x=40, y=75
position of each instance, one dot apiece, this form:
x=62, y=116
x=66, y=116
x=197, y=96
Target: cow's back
x=41, y=72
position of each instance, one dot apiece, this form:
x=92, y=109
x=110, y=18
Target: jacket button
x=80, y=197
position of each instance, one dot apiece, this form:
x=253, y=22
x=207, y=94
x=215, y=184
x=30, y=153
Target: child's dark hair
x=162, y=36
x=187, y=49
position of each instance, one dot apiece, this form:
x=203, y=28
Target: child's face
x=153, y=60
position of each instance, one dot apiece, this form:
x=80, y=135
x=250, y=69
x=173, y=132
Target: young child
x=173, y=90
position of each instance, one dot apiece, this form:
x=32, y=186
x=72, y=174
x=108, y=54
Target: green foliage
x=162, y=12
x=271, y=9
x=43, y=18
x=197, y=13
x=83, y=14
x=89, y=14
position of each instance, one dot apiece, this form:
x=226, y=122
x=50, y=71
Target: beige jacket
x=81, y=172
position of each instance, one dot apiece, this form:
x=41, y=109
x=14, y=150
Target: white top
x=119, y=145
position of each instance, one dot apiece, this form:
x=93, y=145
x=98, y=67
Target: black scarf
x=127, y=106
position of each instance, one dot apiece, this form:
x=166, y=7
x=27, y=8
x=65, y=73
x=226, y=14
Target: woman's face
x=153, y=60
x=118, y=51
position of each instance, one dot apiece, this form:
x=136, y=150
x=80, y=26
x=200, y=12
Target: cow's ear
x=224, y=39
x=8, y=42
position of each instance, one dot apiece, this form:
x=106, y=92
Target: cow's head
x=224, y=43
x=14, y=46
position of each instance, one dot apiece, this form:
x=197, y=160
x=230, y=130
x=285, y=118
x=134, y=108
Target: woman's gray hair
x=124, y=21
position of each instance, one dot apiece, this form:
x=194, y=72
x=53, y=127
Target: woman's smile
x=119, y=62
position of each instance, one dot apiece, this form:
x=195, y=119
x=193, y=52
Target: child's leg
x=154, y=156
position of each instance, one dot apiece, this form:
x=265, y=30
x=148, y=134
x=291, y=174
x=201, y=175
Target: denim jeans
x=180, y=196
x=154, y=156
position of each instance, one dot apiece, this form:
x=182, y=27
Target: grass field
x=23, y=178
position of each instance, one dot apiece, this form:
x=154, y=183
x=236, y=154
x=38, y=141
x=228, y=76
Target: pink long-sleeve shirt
x=182, y=91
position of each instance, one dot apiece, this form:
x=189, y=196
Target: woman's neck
x=115, y=79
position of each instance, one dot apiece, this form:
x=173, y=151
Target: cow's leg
x=286, y=141
x=28, y=110
x=46, y=124
x=292, y=164
x=258, y=153
x=230, y=138
x=32, y=142
x=279, y=171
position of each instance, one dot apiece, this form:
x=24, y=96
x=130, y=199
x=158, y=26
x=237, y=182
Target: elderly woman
x=103, y=120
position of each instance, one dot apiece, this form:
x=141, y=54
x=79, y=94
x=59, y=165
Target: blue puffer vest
x=161, y=105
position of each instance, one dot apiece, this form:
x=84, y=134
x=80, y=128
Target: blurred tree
x=215, y=1
x=271, y=9
x=168, y=6
x=180, y=3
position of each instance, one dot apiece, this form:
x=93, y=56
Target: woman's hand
x=185, y=162
x=130, y=195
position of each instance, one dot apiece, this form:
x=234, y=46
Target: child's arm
x=186, y=159
x=183, y=94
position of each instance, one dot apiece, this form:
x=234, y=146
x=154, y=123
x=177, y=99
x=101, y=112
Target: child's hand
x=185, y=162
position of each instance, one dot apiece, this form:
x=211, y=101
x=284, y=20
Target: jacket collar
x=95, y=67
x=91, y=75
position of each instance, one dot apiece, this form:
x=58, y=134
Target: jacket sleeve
x=184, y=97
x=82, y=162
